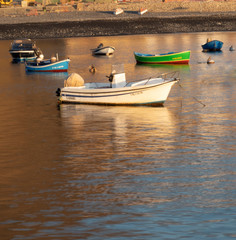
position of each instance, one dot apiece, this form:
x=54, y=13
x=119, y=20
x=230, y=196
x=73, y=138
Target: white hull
x=136, y=93
x=142, y=11
x=118, y=11
x=104, y=51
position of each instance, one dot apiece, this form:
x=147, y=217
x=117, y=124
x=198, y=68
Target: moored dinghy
x=101, y=50
x=212, y=45
x=151, y=91
x=48, y=65
x=164, y=58
x=23, y=50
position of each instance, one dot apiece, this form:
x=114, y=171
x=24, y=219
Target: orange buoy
x=92, y=69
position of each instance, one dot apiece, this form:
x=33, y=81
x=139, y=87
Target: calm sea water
x=98, y=172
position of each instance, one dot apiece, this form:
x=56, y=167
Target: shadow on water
x=214, y=53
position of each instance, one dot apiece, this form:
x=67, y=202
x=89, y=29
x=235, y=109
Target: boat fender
x=58, y=92
x=38, y=60
x=53, y=59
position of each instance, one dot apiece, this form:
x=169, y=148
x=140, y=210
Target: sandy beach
x=99, y=20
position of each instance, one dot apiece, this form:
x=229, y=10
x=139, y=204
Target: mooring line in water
x=194, y=97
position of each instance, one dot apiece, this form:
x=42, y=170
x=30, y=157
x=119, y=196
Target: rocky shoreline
x=90, y=23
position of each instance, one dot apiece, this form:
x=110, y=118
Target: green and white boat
x=164, y=58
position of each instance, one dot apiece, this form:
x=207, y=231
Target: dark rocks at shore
x=113, y=27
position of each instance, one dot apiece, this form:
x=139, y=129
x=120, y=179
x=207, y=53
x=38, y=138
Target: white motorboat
x=152, y=91
x=101, y=50
x=24, y=50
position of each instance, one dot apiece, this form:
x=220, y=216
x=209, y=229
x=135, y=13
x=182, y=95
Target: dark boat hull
x=22, y=56
x=24, y=50
x=212, y=46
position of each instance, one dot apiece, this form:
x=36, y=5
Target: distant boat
x=151, y=91
x=164, y=58
x=101, y=50
x=142, y=11
x=212, y=45
x=118, y=11
x=49, y=65
x=23, y=50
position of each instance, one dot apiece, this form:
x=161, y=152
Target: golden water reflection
x=112, y=147
x=121, y=127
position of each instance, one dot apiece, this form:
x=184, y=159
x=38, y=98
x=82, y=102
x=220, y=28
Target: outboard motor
x=117, y=80
x=58, y=92
x=117, y=77
x=110, y=79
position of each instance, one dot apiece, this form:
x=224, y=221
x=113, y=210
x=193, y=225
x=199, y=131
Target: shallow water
x=98, y=172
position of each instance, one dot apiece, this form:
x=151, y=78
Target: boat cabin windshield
x=23, y=44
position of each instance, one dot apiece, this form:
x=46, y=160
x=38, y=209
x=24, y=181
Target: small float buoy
x=92, y=69
x=41, y=56
x=53, y=59
x=209, y=60
x=231, y=48
x=39, y=59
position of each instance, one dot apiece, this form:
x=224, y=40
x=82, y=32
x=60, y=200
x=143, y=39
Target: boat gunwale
x=160, y=55
x=166, y=62
x=116, y=90
x=46, y=65
x=213, y=41
x=21, y=51
x=206, y=47
x=102, y=48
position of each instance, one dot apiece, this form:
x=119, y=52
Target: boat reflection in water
x=162, y=67
x=102, y=131
x=50, y=74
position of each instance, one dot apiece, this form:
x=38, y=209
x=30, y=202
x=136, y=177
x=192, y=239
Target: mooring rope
x=193, y=97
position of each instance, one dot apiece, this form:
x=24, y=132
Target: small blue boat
x=212, y=46
x=49, y=65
